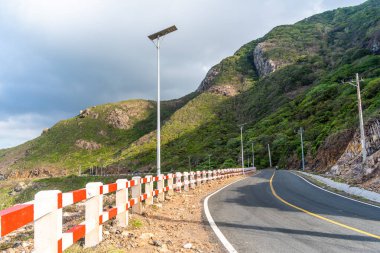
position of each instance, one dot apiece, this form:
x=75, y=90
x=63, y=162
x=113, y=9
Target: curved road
x=254, y=219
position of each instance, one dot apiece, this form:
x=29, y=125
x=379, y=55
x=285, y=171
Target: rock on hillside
x=264, y=65
x=350, y=168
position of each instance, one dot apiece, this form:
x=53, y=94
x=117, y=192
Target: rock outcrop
x=264, y=66
x=87, y=145
x=374, y=43
x=119, y=118
x=225, y=90
x=350, y=166
x=208, y=80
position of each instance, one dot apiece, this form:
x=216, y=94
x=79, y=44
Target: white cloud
x=15, y=130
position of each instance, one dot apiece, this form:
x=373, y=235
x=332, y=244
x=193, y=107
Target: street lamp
x=270, y=157
x=361, y=123
x=253, y=156
x=155, y=38
x=242, y=148
x=303, y=156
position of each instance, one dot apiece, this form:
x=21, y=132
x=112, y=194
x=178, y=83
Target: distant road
x=292, y=216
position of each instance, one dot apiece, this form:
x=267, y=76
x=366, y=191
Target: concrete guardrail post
x=122, y=201
x=170, y=184
x=192, y=180
x=149, y=190
x=48, y=221
x=186, y=181
x=204, y=176
x=136, y=193
x=160, y=188
x=199, y=178
x=178, y=182
x=94, y=209
x=214, y=175
x=209, y=173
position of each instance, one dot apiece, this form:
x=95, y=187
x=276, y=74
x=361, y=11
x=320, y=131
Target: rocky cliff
x=263, y=64
x=350, y=166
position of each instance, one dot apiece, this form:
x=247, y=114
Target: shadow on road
x=300, y=232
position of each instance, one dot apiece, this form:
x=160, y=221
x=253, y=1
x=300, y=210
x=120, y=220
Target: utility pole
x=253, y=156
x=209, y=162
x=270, y=158
x=189, y=164
x=156, y=37
x=361, y=122
x=242, y=148
x=303, y=157
x=362, y=134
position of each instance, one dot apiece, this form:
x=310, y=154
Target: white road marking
x=334, y=192
x=212, y=223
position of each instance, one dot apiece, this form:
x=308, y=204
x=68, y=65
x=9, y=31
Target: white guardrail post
x=209, y=175
x=178, y=183
x=170, y=184
x=136, y=193
x=204, y=176
x=192, y=180
x=94, y=209
x=48, y=221
x=149, y=190
x=199, y=178
x=122, y=201
x=186, y=181
x=160, y=187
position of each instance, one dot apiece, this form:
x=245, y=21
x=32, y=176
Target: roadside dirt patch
x=176, y=225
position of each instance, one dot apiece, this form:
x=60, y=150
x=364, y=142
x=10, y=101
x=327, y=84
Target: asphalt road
x=253, y=219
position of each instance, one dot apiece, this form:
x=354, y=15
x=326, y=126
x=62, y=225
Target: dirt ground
x=175, y=225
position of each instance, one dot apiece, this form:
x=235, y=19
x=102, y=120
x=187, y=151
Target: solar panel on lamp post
x=155, y=38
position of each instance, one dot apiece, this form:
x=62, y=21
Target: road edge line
x=337, y=194
x=212, y=223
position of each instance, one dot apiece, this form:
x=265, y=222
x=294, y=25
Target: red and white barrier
x=46, y=209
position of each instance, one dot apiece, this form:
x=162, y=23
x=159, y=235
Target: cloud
x=63, y=56
x=16, y=129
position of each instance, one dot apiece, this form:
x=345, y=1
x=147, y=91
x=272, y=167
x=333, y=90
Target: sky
x=59, y=57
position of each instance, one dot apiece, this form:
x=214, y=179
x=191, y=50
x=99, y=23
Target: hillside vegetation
x=290, y=78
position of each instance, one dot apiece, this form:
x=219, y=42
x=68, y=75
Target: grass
x=135, y=223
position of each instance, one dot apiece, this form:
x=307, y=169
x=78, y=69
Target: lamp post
x=270, y=157
x=253, y=156
x=303, y=156
x=155, y=38
x=361, y=123
x=242, y=148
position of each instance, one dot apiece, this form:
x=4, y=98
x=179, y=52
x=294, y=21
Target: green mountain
x=289, y=78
